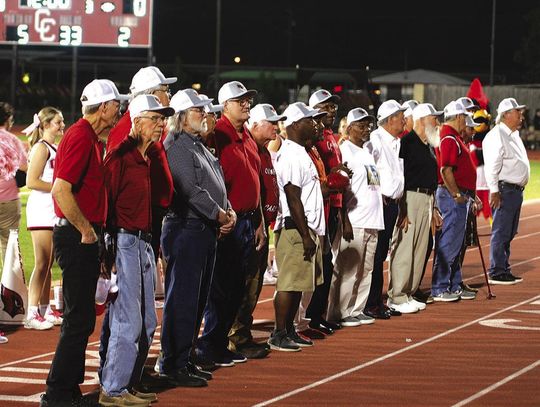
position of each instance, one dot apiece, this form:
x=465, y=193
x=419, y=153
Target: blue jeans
x=503, y=230
x=448, y=242
x=189, y=248
x=131, y=317
x=236, y=259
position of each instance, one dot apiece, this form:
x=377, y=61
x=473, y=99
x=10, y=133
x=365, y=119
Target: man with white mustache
x=416, y=211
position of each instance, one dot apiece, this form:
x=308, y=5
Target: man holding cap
x=409, y=105
x=131, y=317
x=457, y=182
x=364, y=218
x=236, y=252
x=507, y=172
x=329, y=151
x=416, y=211
x=384, y=146
x=298, y=251
x=150, y=81
x=263, y=127
x=80, y=204
x=198, y=214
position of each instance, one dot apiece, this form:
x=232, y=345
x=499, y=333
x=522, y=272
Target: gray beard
x=432, y=136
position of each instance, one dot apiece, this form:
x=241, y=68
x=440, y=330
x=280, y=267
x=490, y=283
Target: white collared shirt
x=363, y=198
x=385, y=151
x=505, y=158
x=293, y=166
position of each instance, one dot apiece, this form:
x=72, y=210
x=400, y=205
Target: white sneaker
x=420, y=305
x=37, y=322
x=54, y=317
x=269, y=279
x=3, y=339
x=405, y=308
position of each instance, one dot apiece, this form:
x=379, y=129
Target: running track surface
x=473, y=353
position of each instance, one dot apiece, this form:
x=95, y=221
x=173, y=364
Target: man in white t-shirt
x=300, y=228
x=362, y=202
x=384, y=145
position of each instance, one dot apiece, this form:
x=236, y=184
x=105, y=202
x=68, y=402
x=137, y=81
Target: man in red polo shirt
x=263, y=127
x=331, y=157
x=236, y=256
x=457, y=182
x=150, y=81
x=80, y=204
x=131, y=318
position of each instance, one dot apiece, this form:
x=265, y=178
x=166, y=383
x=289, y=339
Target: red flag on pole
x=476, y=91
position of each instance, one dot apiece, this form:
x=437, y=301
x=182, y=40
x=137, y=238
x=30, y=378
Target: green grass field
x=531, y=192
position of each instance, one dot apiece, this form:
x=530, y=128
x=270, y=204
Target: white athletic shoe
x=420, y=305
x=54, y=317
x=37, y=322
x=3, y=338
x=268, y=278
x=405, y=308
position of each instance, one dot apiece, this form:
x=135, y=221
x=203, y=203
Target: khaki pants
x=409, y=248
x=351, y=279
x=10, y=216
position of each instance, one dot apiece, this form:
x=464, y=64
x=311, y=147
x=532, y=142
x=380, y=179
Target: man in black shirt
x=416, y=207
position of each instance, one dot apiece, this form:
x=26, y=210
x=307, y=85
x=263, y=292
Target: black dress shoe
x=253, y=351
x=391, y=311
x=183, y=378
x=375, y=312
x=197, y=371
x=330, y=325
x=318, y=327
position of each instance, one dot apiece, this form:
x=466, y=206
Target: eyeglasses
x=167, y=91
x=243, y=102
x=363, y=126
x=328, y=107
x=154, y=119
x=197, y=110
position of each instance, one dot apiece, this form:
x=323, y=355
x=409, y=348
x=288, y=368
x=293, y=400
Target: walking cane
x=477, y=240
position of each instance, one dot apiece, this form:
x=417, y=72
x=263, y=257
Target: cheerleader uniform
x=39, y=208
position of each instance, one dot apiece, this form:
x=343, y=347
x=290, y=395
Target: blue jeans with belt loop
x=132, y=316
x=448, y=242
x=503, y=230
x=189, y=248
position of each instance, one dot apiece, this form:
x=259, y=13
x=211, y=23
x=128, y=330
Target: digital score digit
x=113, y=23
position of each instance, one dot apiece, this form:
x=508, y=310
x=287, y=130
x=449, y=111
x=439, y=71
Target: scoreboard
x=96, y=23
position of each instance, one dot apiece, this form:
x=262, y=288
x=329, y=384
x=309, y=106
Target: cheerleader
x=47, y=127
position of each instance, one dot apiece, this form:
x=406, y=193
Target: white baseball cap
x=508, y=104
x=210, y=108
x=264, y=111
x=467, y=103
x=148, y=103
x=321, y=96
x=454, y=108
x=358, y=114
x=100, y=91
x=147, y=78
x=409, y=105
x=298, y=111
x=389, y=108
x=425, y=109
x=469, y=122
x=234, y=90
x=188, y=98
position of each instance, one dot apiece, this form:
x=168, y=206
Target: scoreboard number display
x=96, y=23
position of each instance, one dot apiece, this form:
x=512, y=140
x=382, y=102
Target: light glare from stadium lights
x=26, y=78
x=196, y=86
x=377, y=91
x=237, y=60
x=108, y=7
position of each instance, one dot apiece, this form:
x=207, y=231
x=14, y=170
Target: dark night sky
x=449, y=36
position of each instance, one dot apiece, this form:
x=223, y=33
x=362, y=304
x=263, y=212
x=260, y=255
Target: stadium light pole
x=74, y=76
x=218, y=45
x=492, y=59
x=14, y=64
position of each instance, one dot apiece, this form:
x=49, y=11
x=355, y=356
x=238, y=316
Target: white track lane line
x=498, y=384
x=390, y=355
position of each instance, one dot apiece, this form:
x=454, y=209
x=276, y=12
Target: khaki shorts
x=295, y=273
